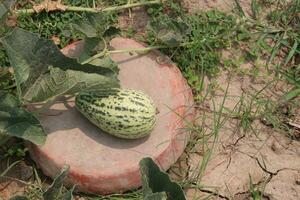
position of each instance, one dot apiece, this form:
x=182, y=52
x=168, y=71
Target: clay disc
x=101, y=163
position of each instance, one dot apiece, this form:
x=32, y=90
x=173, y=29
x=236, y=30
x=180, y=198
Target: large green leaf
x=95, y=27
x=157, y=183
x=17, y=122
x=93, y=24
x=42, y=71
x=91, y=47
x=8, y=100
x=3, y=11
x=169, y=31
x=5, y=5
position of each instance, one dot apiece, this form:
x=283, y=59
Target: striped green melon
x=123, y=113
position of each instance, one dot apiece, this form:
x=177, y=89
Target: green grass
x=211, y=32
x=58, y=23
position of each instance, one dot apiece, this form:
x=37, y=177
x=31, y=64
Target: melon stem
x=142, y=50
x=95, y=10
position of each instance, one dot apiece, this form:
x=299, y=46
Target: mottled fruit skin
x=123, y=113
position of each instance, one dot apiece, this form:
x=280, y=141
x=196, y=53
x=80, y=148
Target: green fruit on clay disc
x=124, y=113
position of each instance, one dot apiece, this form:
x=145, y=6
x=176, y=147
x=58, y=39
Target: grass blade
x=275, y=49
x=291, y=53
x=254, y=9
x=292, y=94
x=239, y=8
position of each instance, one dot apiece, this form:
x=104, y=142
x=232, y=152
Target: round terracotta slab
x=103, y=164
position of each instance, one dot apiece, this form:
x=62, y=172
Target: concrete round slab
x=103, y=164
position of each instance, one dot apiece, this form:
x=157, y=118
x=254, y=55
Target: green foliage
x=4, y=62
x=4, y=9
x=57, y=23
x=15, y=151
x=17, y=122
x=171, y=32
x=51, y=24
x=93, y=24
x=204, y=36
x=256, y=194
x=43, y=72
x=169, y=7
x=6, y=79
x=95, y=27
x=293, y=77
x=156, y=184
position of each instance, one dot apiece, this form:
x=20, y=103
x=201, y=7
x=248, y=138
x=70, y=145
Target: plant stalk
x=96, y=10
x=107, y=52
x=137, y=50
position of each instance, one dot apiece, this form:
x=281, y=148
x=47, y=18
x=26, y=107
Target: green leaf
x=291, y=53
x=69, y=194
x=105, y=61
x=239, y=8
x=5, y=5
x=54, y=190
x=292, y=94
x=91, y=47
x=3, y=11
x=154, y=181
x=169, y=31
x=17, y=122
x=8, y=100
x=275, y=49
x=93, y=24
x=43, y=72
x=255, y=9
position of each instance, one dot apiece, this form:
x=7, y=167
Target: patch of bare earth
x=269, y=157
x=135, y=18
x=14, y=182
x=223, y=5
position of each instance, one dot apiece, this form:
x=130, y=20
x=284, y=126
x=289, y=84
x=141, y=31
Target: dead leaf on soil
x=11, y=21
x=55, y=39
x=49, y=5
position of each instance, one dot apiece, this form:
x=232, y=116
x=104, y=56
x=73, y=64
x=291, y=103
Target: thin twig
x=9, y=168
x=137, y=50
x=95, y=10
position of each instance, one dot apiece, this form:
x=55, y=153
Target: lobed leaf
x=169, y=31
x=92, y=24
x=17, y=122
x=43, y=72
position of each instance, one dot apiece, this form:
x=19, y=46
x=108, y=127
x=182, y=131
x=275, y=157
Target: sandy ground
x=269, y=157
x=223, y=5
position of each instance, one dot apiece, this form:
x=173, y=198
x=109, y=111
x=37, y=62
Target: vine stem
x=96, y=10
x=137, y=50
x=107, y=52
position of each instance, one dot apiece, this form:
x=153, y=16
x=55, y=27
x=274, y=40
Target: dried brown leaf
x=55, y=39
x=49, y=5
x=11, y=21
